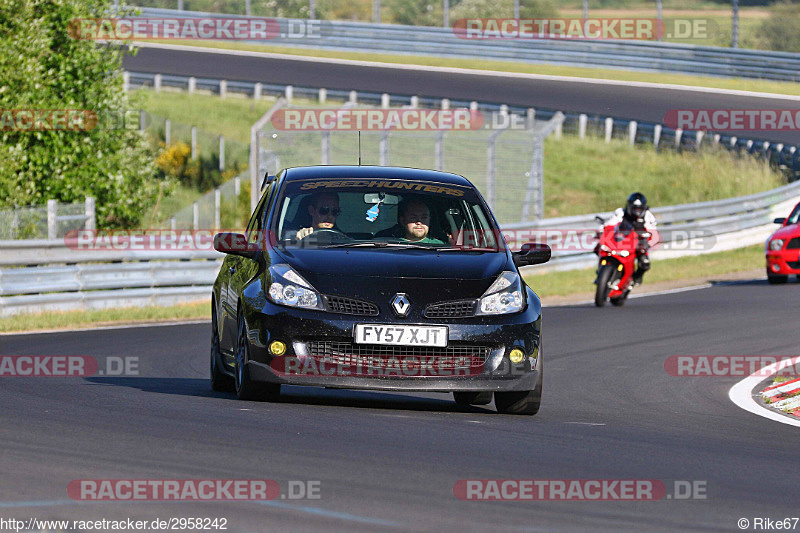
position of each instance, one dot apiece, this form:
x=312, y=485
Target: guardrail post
x=678, y=136
x=473, y=106
x=173, y=224
x=582, y=120
x=779, y=147
x=126, y=81
x=323, y=96
x=257, y=88
x=385, y=100
x=52, y=212
x=223, y=88
x=609, y=129
x=376, y=11
x=445, y=103
x=656, y=136
x=504, y=110
x=491, y=166
x=142, y=120
x=89, y=213
x=288, y=93
x=157, y=83
x=194, y=142
x=237, y=186
x=414, y=102
x=717, y=137
x=698, y=138
x=217, y=206
x=530, y=118
x=438, y=151
x=326, y=147
x=733, y=141
x=384, y=148
x=559, y=131
x=192, y=85
x=195, y=215
x=353, y=97
x=445, y=13
x=221, y=153
x=632, y=132
x=167, y=132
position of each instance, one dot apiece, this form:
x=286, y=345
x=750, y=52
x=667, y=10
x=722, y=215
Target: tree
x=44, y=67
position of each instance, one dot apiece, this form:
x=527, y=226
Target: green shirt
x=426, y=240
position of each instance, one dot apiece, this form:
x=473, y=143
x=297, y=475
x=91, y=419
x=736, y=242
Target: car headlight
x=503, y=297
x=289, y=288
x=776, y=244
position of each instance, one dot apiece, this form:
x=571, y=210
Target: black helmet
x=637, y=205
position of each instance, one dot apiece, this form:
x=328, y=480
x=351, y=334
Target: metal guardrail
x=60, y=277
x=442, y=42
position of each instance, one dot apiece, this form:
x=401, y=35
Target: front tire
x=472, y=398
x=520, y=402
x=246, y=388
x=776, y=280
x=601, y=294
x=619, y=301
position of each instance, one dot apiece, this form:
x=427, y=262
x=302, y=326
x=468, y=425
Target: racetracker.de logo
x=732, y=365
x=376, y=366
x=580, y=29
x=577, y=490
x=173, y=489
x=351, y=119
x=733, y=119
x=143, y=29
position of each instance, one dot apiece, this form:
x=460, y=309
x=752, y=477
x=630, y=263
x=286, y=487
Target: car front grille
x=793, y=244
x=458, y=356
x=793, y=264
x=349, y=306
x=451, y=309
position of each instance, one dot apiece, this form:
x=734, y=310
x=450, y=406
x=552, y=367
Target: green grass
x=742, y=84
x=701, y=266
x=581, y=176
x=102, y=317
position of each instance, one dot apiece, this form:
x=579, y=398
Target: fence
x=780, y=155
x=46, y=222
x=442, y=42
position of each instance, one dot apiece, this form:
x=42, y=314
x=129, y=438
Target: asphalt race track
x=622, y=101
x=389, y=461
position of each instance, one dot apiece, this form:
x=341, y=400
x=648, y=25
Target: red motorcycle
x=617, y=251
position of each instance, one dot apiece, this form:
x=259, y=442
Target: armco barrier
x=49, y=275
x=632, y=55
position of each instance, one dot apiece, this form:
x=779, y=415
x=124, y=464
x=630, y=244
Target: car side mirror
x=779, y=220
x=236, y=244
x=532, y=253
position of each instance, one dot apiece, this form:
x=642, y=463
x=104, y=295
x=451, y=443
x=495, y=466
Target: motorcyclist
x=636, y=215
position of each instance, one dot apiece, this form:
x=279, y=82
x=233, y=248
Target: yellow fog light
x=516, y=356
x=277, y=348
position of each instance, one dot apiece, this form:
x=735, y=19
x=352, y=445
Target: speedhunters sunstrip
x=376, y=278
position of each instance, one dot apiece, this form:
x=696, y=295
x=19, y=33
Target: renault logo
x=401, y=304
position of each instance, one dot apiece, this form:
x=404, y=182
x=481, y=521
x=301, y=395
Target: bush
x=42, y=67
x=503, y=9
x=201, y=174
x=780, y=30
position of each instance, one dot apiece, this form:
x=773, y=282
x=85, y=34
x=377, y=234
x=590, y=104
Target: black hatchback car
x=378, y=278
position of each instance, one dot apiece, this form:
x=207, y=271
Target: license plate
x=401, y=335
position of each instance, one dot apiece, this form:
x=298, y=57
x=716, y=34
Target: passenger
x=415, y=218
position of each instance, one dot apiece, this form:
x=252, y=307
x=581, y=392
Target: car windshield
x=384, y=213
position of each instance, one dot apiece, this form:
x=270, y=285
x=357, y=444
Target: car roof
x=373, y=172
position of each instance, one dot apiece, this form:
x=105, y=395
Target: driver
x=324, y=209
